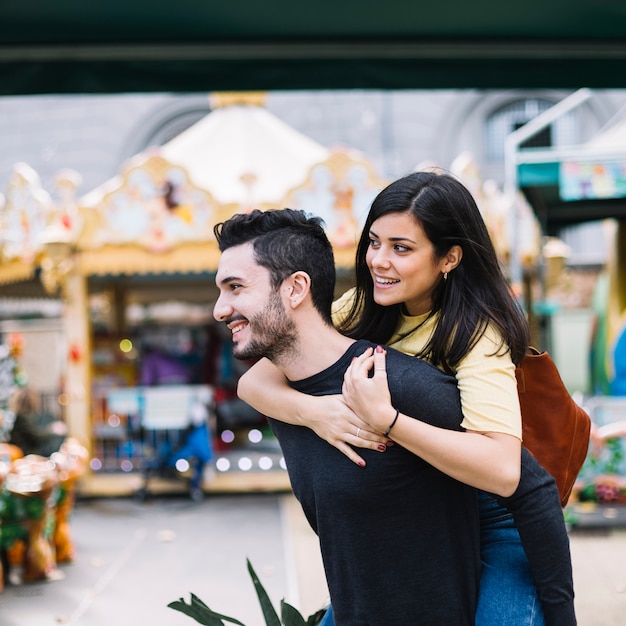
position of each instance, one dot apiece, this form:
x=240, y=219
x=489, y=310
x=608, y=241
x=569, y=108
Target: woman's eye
x=374, y=243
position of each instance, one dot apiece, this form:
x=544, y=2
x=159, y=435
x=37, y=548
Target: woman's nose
x=380, y=258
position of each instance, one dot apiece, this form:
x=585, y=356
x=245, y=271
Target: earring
x=445, y=275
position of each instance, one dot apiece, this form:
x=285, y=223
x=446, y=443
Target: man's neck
x=317, y=348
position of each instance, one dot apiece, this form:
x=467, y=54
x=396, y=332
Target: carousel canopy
x=71, y=46
x=243, y=154
x=156, y=216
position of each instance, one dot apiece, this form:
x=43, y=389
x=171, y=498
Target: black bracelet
x=395, y=419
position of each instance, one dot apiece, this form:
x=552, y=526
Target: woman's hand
x=368, y=396
x=265, y=388
x=486, y=460
x=342, y=428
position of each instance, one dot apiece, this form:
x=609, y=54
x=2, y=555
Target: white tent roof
x=244, y=154
x=613, y=139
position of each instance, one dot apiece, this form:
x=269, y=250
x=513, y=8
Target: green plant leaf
x=316, y=618
x=269, y=612
x=195, y=601
x=199, y=611
x=201, y=616
x=290, y=616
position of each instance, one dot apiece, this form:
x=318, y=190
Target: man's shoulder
x=401, y=361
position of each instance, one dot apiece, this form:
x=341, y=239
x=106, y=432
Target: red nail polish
x=362, y=463
x=382, y=447
x=379, y=349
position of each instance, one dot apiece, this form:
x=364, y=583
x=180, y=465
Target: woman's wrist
x=392, y=422
x=310, y=410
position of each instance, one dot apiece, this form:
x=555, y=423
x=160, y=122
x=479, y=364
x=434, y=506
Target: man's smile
x=236, y=325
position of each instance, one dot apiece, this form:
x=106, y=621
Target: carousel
x=146, y=380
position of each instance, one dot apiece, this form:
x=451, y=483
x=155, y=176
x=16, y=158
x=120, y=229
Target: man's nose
x=221, y=310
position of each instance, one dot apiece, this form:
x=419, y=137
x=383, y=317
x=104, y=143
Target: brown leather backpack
x=554, y=428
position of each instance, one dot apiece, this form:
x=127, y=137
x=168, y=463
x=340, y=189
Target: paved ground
x=134, y=558
x=600, y=576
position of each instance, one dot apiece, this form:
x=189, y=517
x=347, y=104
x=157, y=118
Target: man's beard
x=274, y=334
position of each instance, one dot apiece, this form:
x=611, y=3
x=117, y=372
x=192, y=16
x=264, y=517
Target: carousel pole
x=77, y=393
x=61, y=274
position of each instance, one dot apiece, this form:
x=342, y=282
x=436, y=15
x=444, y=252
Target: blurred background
x=128, y=130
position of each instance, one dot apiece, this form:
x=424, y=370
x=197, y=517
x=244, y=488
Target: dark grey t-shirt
x=399, y=539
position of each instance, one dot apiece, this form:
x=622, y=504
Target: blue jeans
x=507, y=595
x=327, y=620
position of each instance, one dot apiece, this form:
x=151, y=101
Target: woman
x=429, y=284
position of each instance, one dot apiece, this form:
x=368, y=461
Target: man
x=399, y=539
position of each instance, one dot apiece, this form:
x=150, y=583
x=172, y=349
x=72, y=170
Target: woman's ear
x=453, y=258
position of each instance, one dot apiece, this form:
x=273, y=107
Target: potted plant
x=289, y=616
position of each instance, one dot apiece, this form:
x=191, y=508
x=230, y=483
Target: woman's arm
x=487, y=461
x=265, y=388
x=470, y=457
x=536, y=509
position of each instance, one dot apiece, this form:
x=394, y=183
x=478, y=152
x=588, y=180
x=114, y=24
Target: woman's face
x=402, y=262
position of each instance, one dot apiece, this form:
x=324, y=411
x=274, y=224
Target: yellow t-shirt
x=485, y=377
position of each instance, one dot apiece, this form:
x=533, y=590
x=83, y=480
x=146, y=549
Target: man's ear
x=299, y=287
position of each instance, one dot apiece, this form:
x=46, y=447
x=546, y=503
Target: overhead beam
x=301, y=50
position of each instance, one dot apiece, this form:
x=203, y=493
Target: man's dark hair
x=286, y=241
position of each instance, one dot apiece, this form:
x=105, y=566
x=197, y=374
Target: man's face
x=251, y=308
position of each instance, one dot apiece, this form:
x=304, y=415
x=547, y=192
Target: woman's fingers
x=343, y=429
x=366, y=394
x=357, y=434
x=380, y=361
x=350, y=453
x=360, y=439
x=366, y=439
x=362, y=365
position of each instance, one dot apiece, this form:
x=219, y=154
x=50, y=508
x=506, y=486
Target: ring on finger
x=358, y=432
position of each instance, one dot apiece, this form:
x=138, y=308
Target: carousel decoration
x=71, y=462
x=152, y=204
x=57, y=262
x=340, y=190
x=59, y=237
x=10, y=377
x=23, y=219
x=28, y=516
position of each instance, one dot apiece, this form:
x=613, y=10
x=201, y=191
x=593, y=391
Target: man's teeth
x=236, y=329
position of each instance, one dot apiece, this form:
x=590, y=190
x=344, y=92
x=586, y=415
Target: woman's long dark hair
x=476, y=292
